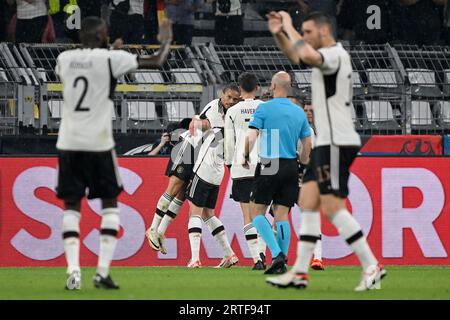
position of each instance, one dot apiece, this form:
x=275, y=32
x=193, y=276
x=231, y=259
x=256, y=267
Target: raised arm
x=160, y=57
x=301, y=49
x=281, y=39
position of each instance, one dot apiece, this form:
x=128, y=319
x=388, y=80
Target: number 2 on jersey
x=83, y=94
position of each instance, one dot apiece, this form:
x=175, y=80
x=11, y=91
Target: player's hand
x=117, y=44
x=286, y=20
x=246, y=163
x=274, y=22
x=165, y=31
x=194, y=125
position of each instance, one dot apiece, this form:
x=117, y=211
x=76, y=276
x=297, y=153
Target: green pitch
x=234, y=283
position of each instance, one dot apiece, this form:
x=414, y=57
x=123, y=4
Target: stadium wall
x=402, y=204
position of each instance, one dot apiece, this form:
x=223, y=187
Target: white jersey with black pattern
x=332, y=93
x=89, y=79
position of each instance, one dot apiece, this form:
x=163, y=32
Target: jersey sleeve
x=330, y=60
x=122, y=62
x=230, y=139
x=257, y=120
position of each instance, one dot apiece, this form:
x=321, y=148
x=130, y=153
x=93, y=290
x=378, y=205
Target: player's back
x=89, y=80
x=236, y=127
x=332, y=94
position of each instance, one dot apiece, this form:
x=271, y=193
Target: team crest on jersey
x=180, y=169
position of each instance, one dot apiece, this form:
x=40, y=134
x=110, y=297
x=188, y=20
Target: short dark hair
x=89, y=28
x=231, y=86
x=248, y=81
x=319, y=18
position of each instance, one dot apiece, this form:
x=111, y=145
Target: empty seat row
x=141, y=110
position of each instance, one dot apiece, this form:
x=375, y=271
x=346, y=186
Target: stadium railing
x=397, y=89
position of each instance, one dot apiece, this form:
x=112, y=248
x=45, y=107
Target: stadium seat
x=444, y=114
x=186, y=75
x=178, y=110
x=421, y=116
x=141, y=110
x=423, y=83
x=358, y=88
x=379, y=115
x=384, y=83
x=55, y=107
x=302, y=78
x=148, y=77
x=355, y=119
x=3, y=77
x=447, y=82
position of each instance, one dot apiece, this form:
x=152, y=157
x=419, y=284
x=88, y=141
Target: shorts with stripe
x=330, y=167
x=80, y=170
x=181, y=162
x=202, y=193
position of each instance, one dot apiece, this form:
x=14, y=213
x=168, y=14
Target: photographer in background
x=229, y=22
x=163, y=146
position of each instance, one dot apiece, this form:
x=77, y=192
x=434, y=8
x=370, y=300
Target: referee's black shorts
x=277, y=186
x=330, y=167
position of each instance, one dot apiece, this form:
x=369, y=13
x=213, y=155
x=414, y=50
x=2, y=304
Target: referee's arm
x=304, y=150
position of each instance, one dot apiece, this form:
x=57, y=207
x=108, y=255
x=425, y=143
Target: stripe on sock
x=70, y=234
x=195, y=230
x=251, y=236
x=308, y=238
x=217, y=230
x=355, y=237
x=109, y=232
x=171, y=214
x=159, y=212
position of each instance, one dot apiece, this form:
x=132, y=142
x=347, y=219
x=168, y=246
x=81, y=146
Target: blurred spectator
x=422, y=21
x=32, y=18
x=358, y=23
x=328, y=7
x=161, y=146
x=181, y=13
x=229, y=22
x=3, y=20
x=151, y=21
x=447, y=24
x=298, y=13
x=127, y=20
x=90, y=8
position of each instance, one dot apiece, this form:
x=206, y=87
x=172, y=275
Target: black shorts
x=281, y=186
x=202, y=193
x=181, y=162
x=96, y=171
x=241, y=189
x=330, y=167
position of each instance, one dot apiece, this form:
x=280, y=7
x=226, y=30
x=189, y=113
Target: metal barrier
x=397, y=89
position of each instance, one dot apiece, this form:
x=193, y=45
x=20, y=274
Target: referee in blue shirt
x=281, y=125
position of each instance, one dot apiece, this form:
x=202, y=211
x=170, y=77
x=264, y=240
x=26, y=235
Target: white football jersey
x=236, y=126
x=332, y=93
x=209, y=165
x=215, y=113
x=89, y=80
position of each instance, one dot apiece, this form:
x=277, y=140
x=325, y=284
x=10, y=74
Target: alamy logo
x=74, y=20
x=374, y=20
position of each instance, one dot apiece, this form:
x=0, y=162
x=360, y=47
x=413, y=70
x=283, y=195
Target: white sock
x=171, y=214
x=308, y=235
x=71, y=234
x=195, y=236
x=161, y=209
x=318, y=249
x=251, y=235
x=218, y=231
x=350, y=230
x=108, y=239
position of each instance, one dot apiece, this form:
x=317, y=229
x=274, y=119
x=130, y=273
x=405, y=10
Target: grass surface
x=234, y=283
